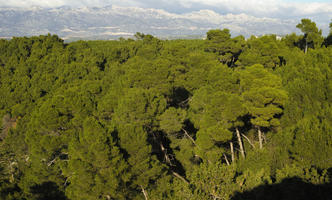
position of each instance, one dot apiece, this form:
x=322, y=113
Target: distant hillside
x=113, y=22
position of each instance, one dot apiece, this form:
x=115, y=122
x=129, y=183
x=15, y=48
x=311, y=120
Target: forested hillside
x=221, y=118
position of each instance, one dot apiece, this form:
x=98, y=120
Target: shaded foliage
x=221, y=118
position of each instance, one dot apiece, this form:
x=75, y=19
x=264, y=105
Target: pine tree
x=264, y=97
x=312, y=36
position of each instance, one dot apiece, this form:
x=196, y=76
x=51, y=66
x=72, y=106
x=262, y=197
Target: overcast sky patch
x=286, y=9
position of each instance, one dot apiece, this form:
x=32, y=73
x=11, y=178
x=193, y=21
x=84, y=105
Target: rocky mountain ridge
x=113, y=21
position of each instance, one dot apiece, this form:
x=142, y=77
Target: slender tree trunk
x=166, y=157
x=260, y=138
x=232, y=62
x=240, y=142
x=253, y=146
x=164, y=150
x=180, y=177
x=187, y=134
x=227, y=162
x=65, y=184
x=306, y=47
x=145, y=193
x=232, y=151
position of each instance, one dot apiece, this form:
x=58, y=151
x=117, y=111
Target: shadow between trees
x=47, y=191
x=289, y=189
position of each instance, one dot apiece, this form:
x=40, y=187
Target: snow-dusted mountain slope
x=114, y=21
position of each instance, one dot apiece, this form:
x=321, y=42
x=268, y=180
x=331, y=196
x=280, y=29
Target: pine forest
x=220, y=118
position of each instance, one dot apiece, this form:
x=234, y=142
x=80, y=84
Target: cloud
x=268, y=8
x=29, y=3
x=58, y=3
x=239, y=5
x=260, y=8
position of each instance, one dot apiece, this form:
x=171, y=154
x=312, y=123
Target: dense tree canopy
x=312, y=36
x=167, y=119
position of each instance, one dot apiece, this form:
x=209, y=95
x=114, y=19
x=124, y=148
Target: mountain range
x=112, y=22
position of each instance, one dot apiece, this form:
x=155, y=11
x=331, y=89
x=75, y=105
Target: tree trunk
x=145, y=193
x=306, y=47
x=166, y=157
x=260, y=138
x=232, y=151
x=227, y=162
x=187, y=134
x=253, y=146
x=180, y=177
x=240, y=142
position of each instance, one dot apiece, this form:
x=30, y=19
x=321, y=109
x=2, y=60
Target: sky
x=317, y=10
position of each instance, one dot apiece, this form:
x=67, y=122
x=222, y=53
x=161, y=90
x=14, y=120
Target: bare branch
x=66, y=181
x=52, y=161
x=226, y=159
x=166, y=156
x=145, y=193
x=180, y=177
x=248, y=140
x=192, y=139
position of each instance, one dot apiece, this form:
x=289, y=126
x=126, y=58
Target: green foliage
x=328, y=39
x=265, y=50
x=263, y=95
x=307, y=113
x=311, y=175
x=165, y=119
x=213, y=181
x=228, y=49
x=171, y=121
x=215, y=39
x=96, y=168
x=312, y=36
